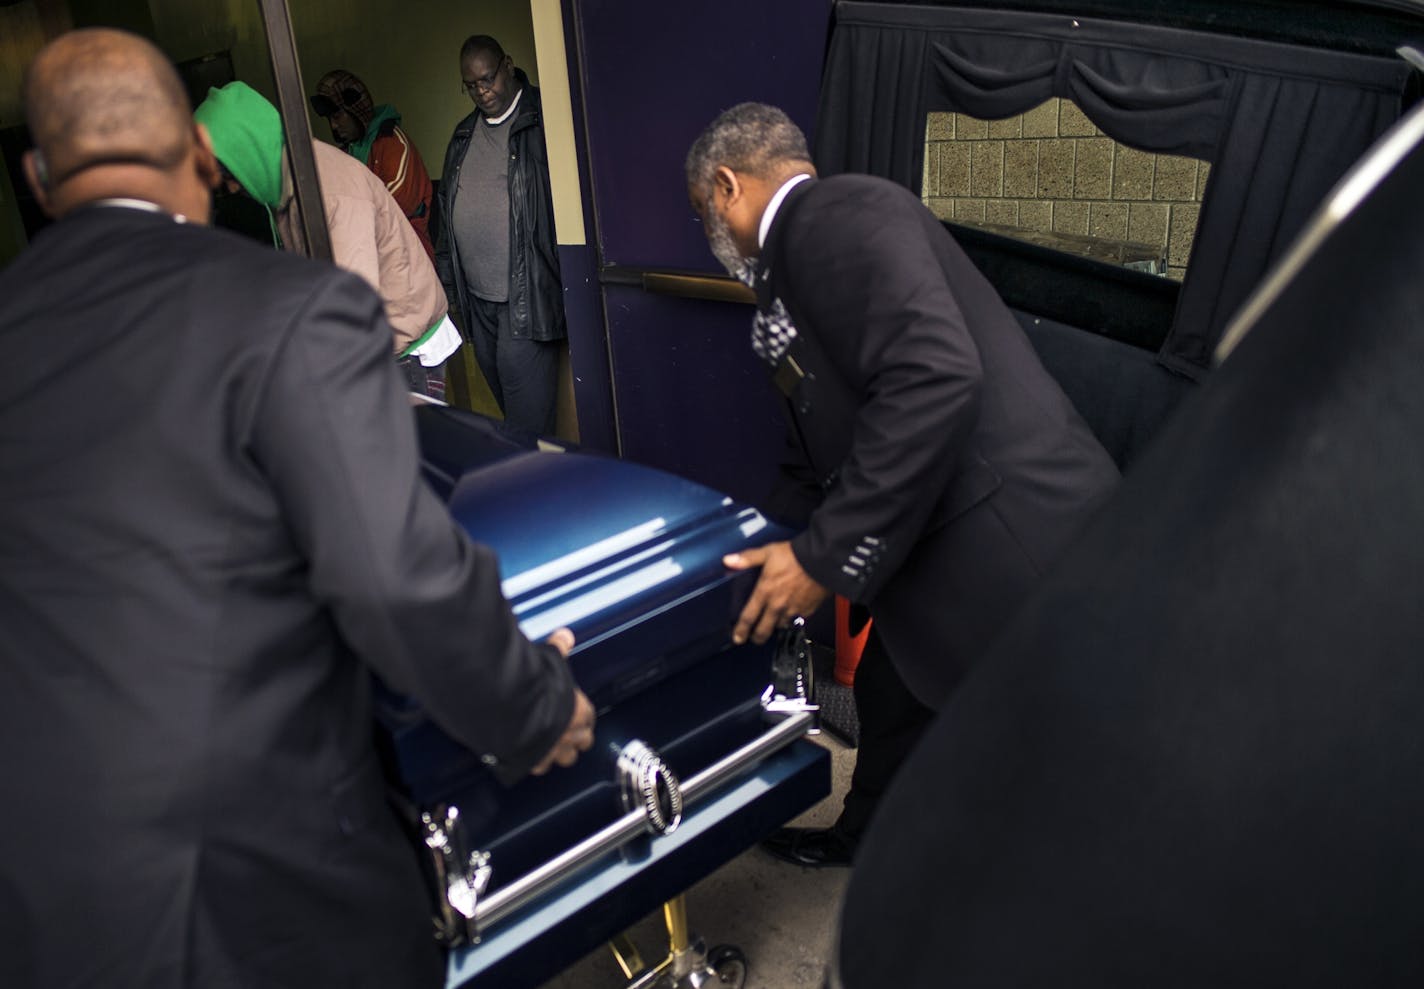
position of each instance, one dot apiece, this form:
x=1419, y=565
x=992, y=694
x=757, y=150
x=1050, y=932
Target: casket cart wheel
x=730, y=964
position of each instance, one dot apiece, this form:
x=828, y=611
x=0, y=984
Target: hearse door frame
x=292, y=105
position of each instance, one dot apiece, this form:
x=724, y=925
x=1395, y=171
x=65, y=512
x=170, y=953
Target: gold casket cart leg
x=688, y=964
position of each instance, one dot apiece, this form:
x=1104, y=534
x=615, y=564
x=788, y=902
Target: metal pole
x=504, y=901
x=292, y=104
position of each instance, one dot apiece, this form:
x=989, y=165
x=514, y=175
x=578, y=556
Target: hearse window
x=1279, y=122
x=1049, y=177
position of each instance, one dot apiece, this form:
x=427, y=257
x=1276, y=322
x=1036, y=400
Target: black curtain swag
x=1279, y=124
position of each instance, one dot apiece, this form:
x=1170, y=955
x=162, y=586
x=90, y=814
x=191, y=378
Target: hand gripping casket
x=698, y=751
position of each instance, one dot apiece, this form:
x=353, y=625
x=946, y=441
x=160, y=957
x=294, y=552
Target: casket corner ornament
x=461, y=875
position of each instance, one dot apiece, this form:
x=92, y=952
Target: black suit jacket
x=211, y=531
x=954, y=467
x=1195, y=757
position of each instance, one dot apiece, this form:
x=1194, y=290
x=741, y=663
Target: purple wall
x=692, y=397
x=687, y=395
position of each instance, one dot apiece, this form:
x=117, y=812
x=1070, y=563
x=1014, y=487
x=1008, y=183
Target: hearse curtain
x=1279, y=124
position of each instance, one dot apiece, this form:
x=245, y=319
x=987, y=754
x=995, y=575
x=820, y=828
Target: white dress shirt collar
x=769, y=213
x=125, y=202
x=513, y=105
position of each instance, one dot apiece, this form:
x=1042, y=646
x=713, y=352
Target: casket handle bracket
x=647, y=784
x=793, y=688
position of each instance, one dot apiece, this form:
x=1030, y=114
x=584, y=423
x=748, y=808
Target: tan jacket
x=371, y=236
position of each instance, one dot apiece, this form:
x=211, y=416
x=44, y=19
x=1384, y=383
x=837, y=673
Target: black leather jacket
x=536, y=291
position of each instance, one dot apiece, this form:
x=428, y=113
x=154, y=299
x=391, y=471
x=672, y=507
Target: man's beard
x=724, y=248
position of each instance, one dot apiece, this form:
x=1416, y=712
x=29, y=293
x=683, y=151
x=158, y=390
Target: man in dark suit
x=951, y=468
x=212, y=529
x=1194, y=757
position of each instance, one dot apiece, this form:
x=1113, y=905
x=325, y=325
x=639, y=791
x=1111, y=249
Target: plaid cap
x=346, y=91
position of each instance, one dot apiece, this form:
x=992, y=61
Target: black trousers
x=523, y=374
x=891, y=723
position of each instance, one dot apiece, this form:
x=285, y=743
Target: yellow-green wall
x=22, y=33
x=12, y=231
x=406, y=51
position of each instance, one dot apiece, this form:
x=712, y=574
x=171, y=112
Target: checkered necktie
x=772, y=329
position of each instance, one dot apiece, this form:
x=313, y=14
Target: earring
x=41, y=168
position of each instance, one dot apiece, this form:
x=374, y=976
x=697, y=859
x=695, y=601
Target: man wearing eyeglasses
x=497, y=255
x=373, y=135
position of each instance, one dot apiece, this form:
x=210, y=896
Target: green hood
x=247, y=137
x=361, y=150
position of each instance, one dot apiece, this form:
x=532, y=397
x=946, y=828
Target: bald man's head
x=100, y=96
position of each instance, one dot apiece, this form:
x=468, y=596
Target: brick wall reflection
x=1051, y=173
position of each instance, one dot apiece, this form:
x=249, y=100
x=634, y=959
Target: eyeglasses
x=471, y=88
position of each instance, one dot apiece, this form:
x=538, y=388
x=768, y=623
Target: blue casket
x=699, y=750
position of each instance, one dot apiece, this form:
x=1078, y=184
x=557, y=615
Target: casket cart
x=700, y=748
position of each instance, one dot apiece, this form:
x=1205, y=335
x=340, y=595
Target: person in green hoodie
x=369, y=232
x=372, y=134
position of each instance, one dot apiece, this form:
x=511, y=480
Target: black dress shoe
x=811, y=847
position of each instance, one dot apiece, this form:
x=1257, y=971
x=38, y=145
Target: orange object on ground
x=848, y=647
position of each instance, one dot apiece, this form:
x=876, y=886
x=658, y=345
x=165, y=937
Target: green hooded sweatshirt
x=246, y=131
x=361, y=150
